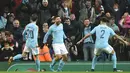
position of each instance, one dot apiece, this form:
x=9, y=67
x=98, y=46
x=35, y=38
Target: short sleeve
x=93, y=31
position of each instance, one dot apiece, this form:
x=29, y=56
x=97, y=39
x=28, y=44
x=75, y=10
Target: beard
x=58, y=22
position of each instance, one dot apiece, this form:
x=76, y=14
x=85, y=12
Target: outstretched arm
x=86, y=36
x=118, y=37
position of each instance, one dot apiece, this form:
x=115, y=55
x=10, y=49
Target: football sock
x=114, y=59
x=38, y=65
x=61, y=65
x=18, y=56
x=94, y=62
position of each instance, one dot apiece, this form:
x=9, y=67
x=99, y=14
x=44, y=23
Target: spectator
x=83, y=12
x=108, y=15
x=116, y=13
x=6, y=52
x=108, y=5
x=124, y=23
x=12, y=42
x=91, y=11
x=69, y=3
x=45, y=11
x=88, y=12
x=76, y=25
x=98, y=6
x=113, y=25
x=77, y=31
x=15, y=4
x=75, y=8
x=3, y=36
x=54, y=5
x=10, y=20
x=3, y=21
x=23, y=13
x=88, y=44
x=64, y=10
x=51, y=21
x=69, y=30
x=45, y=28
x=33, y=6
x=99, y=10
x=1, y=40
x=17, y=34
x=123, y=6
x=44, y=14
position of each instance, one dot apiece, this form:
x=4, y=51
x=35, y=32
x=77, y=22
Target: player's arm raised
x=121, y=39
x=86, y=36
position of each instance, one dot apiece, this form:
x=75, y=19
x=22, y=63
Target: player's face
x=58, y=20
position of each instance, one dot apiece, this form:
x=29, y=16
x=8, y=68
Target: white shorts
x=108, y=50
x=34, y=51
x=59, y=49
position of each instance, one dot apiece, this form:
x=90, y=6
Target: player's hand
x=127, y=43
x=79, y=42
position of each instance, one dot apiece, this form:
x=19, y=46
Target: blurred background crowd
x=78, y=17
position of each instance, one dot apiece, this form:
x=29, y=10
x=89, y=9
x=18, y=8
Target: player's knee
x=36, y=56
x=113, y=52
x=58, y=57
x=65, y=58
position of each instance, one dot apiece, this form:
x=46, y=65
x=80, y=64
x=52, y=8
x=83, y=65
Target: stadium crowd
x=78, y=17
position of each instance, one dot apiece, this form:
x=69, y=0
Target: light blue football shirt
x=57, y=33
x=103, y=32
x=30, y=34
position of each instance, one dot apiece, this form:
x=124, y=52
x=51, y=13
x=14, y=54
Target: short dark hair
x=66, y=19
x=34, y=17
x=104, y=19
x=56, y=17
x=86, y=19
x=8, y=33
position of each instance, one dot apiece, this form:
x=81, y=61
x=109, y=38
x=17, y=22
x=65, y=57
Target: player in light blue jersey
x=30, y=35
x=58, y=36
x=103, y=32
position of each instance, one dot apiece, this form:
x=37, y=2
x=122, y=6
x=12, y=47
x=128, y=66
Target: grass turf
x=63, y=72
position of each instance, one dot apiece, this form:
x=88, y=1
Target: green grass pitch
x=63, y=72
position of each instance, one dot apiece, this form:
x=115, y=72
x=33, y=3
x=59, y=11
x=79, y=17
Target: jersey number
x=30, y=34
x=103, y=32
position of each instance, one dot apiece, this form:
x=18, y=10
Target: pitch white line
x=76, y=63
